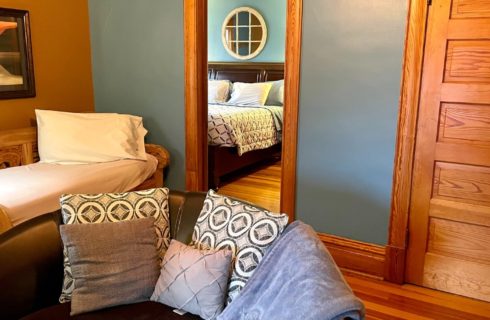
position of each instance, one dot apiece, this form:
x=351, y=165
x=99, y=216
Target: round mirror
x=244, y=33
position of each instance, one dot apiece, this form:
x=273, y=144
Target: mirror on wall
x=244, y=33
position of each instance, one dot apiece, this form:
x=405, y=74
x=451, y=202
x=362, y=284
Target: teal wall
x=274, y=13
x=138, y=68
x=350, y=83
x=350, y=79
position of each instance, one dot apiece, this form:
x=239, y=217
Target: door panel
x=470, y=9
x=449, y=227
x=450, y=238
x=462, y=183
x=463, y=277
x=467, y=61
x=465, y=124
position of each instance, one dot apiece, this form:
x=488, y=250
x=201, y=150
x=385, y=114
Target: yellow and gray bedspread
x=246, y=127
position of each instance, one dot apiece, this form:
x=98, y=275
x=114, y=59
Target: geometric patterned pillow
x=115, y=207
x=244, y=229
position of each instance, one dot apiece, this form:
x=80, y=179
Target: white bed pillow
x=218, y=90
x=250, y=94
x=276, y=94
x=79, y=138
x=140, y=131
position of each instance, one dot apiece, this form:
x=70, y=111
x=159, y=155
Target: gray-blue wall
x=138, y=68
x=350, y=79
x=274, y=13
x=350, y=83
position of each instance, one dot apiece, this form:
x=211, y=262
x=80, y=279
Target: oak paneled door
x=449, y=226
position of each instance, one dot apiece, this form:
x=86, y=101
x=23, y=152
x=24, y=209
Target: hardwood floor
x=261, y=185
x=385, y=300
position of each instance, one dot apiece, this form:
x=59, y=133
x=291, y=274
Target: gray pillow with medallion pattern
x=112, y=263
x=115, y=207
x=248, y=231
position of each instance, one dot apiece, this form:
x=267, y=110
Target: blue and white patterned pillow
x=115, y=207
x=248, y=231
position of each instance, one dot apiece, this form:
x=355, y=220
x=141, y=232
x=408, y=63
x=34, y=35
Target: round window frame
x=262, y=41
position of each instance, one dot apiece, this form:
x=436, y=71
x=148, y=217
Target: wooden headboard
x=246, y=71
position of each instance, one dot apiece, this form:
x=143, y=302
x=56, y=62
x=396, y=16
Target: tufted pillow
x=194, y=280
x=247, y=230
x=115, y=207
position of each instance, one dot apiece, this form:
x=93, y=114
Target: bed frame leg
x=216, y=183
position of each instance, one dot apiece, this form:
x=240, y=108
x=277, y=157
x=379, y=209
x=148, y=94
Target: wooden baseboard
x=395, y=264
x=356, y=256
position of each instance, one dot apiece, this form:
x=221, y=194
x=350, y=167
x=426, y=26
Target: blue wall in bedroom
x=350, y=84
x=274, y=13
x=138, y=68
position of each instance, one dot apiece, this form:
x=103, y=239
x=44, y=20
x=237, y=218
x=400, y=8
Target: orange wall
x=62, y=60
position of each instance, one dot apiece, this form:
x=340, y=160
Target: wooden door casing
x=405, y=145
x=449, y=224
x=195, y=58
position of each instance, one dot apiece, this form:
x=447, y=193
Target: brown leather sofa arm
x=31, y=256
x=31, y=268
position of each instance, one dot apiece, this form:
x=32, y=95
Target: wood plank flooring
x=260, y=185
x=383, y=300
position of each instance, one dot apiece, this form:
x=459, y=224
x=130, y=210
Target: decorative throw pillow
x=276, y=95
x=218, y=90
x=115, y=207
x=250, y=94
x=194, y=280
x=247, y=230
x=111, y=263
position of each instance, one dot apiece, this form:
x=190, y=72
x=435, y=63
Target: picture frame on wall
x=16, y=66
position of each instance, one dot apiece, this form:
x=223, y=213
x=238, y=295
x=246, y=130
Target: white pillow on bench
x=80, y=138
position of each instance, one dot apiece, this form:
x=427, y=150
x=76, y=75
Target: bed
x=23, y=197
x=224, y=156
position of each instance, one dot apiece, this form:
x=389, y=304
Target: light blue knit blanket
x=297, y=279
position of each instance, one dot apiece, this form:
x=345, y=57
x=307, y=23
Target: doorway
x=246, y=52
x=196, y=93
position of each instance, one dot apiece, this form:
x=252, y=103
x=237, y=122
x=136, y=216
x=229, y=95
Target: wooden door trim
x=196, y=109
x=195, y=47
x=291, y=102
x=405, y=143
